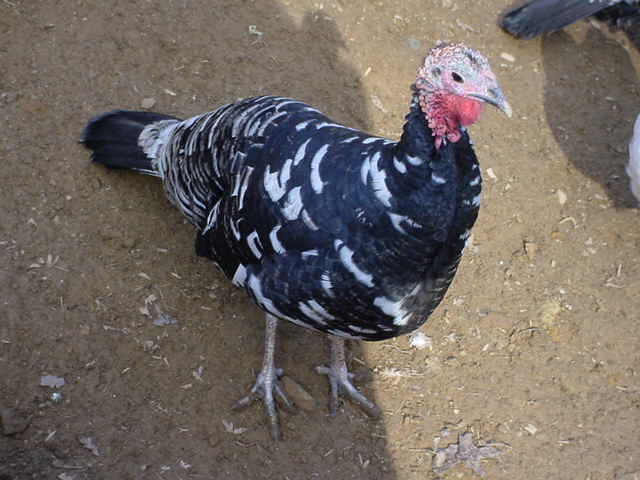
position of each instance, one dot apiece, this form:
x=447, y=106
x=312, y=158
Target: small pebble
x=532, y=429
x=90, y=444
x=298, y=395
x=148, y=103
x=419, y=341
x=51, y=381
x=231, y=428
x=531, y=249
x=164, y=319
x=413, y=43
x=508, y=57
x=562, y=197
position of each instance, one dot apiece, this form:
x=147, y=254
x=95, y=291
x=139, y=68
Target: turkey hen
x=538, y=16
x=324, y=226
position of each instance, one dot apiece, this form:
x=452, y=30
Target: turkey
x=633, y=167
x=538, y=16
x=324, y=226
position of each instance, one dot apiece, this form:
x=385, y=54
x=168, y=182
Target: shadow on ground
x=598, y=148
x=90, y=247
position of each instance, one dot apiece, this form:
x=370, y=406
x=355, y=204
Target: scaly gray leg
x=340, y=380
x=267, y=381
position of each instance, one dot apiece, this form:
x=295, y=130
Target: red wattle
x=467, y=109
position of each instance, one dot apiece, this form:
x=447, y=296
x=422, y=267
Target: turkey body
x=324, y=226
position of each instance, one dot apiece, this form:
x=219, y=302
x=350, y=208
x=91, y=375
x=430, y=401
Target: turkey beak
x=496, y=98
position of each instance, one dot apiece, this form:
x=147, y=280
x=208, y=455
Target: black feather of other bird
x=532, y=18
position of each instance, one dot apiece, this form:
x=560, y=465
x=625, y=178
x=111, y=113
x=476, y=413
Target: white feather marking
x=310, y=313
x=476, y=200
x=293, y=204
x=266, y=303
x=327, y=286
x=275, y=183
x=320, y=309
x=254, y=122
x=350, y=139
x=369, y=140
x=378, y=182
x=255, y=245
x=393, y=309
x=327, y=124
x=437, y=179
x=245, y=185
x=301, y=152
x=271, y=119
x=213, y=131
x=240, y=276
x=310, y=253
x=299, y=322
x=239, y=121
x=236, y=185
x=339, y=333
x=360, y=329
x=289, y=102
x=285, y=172
x=316, y=182
x=303, y=125
x=234, y=228
x=212, y=218
x=308, y=221
x=395, y=221
x=475, y=181
x=346, y=257
x=465, y=235
x=364, y=170
x=275, y=241
x=401, y=167
x=414, y=160
x=272, y=185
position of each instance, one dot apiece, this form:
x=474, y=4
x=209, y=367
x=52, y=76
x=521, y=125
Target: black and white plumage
x=531, y=18
x=325, y=226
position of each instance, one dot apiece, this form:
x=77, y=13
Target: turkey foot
x=340, y=381
x=267, y=382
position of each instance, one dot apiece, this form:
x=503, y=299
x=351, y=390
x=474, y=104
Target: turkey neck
x=446, y=179
x=444, y=196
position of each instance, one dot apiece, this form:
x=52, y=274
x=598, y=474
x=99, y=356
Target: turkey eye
x=436, y=72
x=456, y=77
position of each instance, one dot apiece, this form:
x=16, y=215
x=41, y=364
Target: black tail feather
x=539, y=16
x=113, y=139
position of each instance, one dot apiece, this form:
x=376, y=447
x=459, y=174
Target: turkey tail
x=114, y=139
x=538, y=16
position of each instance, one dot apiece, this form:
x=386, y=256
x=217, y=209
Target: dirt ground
x=535, y=347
